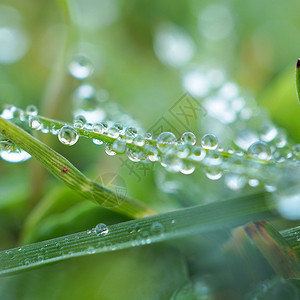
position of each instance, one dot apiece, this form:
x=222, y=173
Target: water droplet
x=288, y=203
x=54, y=130
x=209, y=141
x=187, y=168
x=197, y=153
x=113, y=132
x=280, y=140
x=245, y=138
x=235, y=181
x=212, y=158
x=260, y=150
x=35, y=123
x=109, y=151
x=188, y=137
x=88, y=126
x=8, y=112
x=139, y=140
x=31, y=110
x=13, y=154
x=182, y=150
x=90, y=250
x=213, y=173
x=268, y=132
x=101, y=229
x=81, y=67
x=68, y=135
x=131, y=132
x=166, y=141
x=157, y=228
x=253, y=182
x=148, y=136
x=119, y=146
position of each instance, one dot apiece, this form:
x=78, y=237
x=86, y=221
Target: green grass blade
x=70, y=175
x=167, y=226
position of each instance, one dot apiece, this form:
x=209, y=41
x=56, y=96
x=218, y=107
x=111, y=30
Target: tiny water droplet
x=68, y=135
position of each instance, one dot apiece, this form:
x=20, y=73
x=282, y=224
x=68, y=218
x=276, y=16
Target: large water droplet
x=260, y=150
x=101, y=229
x=209, y=141
x=68, y=135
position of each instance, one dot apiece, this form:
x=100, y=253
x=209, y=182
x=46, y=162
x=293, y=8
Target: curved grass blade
x=163, y=227
x=61, y=168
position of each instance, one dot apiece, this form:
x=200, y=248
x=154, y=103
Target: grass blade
x=179, y=223
x=61, y=168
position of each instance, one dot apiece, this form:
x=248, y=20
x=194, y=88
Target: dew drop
x=209, y=141
x=213, y=173
x=235, y=181
x=139, y=140
x=182, y=150
x=109, y=151
x=188, y=138
x=81, y=67
x=35, y=123
x=101, y=229
x=68, y=135
x=113, y=132
x=253, y=182
x=157, y=228
x=31, y=110
x=130, y=132
x=197, y=153
x=166, y=141
x=119, y=146
x=260, y=150
x=187, y=168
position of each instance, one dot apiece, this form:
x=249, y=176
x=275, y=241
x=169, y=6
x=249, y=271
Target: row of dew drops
x=138, y=235
x=175, y=156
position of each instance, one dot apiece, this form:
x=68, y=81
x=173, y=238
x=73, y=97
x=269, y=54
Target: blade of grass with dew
x=162, y=227
x=61, y=168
